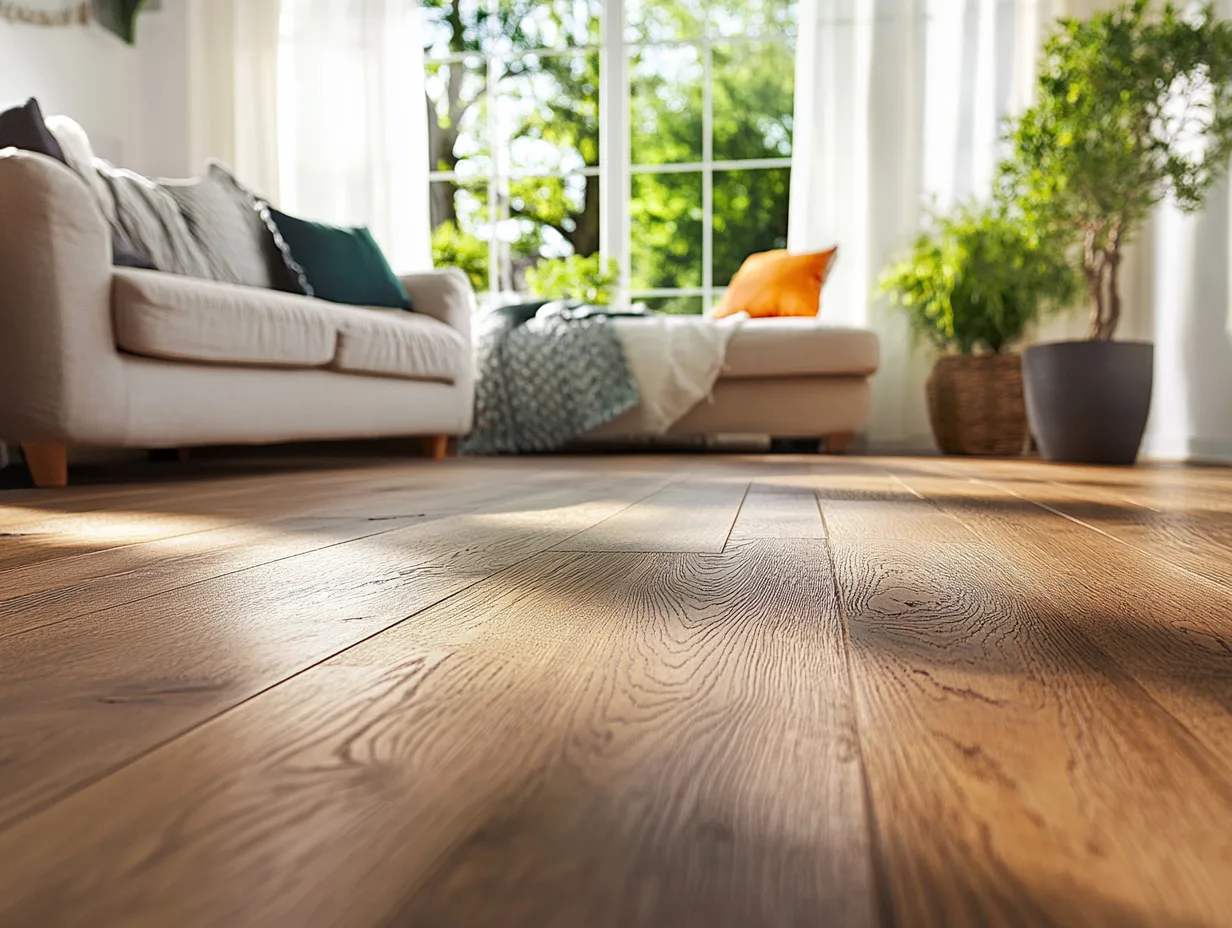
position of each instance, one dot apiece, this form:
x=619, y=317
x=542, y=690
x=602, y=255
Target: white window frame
x=615, y=169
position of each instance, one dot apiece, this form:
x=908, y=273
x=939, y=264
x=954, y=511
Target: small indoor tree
x=1134, y=106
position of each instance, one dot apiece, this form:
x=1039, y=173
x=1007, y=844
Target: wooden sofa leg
x=436, y=447
x=48, y=463
x=837, y=442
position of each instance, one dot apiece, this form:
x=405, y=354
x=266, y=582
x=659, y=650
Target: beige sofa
x=97, y=355
x=782, y=378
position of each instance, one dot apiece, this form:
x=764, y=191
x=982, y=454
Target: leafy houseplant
x=1134, y=106
x=972, y=285
x=589, y=278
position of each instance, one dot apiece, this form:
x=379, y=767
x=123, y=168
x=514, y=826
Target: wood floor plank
x=481, y=759
x=777, y=511
x=1197, y=539
x=78, y=698
x=1170, y=630
x=1017, y=774
x=44, y=593
x=53, y=531
x=47, y=529
x=691, y=516
x=914, y=520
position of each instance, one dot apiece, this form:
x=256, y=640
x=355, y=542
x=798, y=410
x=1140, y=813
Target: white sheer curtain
x=899, y=106
x=233, y=87
x=352, y=122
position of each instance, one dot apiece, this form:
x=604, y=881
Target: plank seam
x=736, y=518
x=882, y=895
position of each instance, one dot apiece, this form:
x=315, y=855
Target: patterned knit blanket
x=544, y=382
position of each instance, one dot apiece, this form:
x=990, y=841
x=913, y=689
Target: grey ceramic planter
x=1088, y=401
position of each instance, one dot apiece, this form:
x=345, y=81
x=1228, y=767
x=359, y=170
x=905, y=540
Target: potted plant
x=971, y=285
x=1134, y=106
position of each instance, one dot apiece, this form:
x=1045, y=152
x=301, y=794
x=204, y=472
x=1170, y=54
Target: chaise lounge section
x=793, y=377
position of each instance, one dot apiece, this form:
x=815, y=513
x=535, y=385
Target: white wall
x=84, y=72
x=162, y=45
x=1186, y=285
x=131, y=100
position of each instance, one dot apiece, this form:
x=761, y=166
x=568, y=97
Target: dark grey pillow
x=231, y=225
x=23, y=127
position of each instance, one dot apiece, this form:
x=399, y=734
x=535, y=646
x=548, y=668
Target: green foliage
x=577, y=277
x=451, y=247
x=1134, y=105
x=977, y=280
x=673, y=305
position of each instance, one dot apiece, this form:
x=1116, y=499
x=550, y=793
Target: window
x=656, y=133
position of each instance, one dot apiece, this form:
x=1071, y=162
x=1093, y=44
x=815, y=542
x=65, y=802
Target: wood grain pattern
x=1010, y=750
x=1170, y=630
x=954, y=642
x=690, y=516
x=488, y=763
x=642, y=690
x=81, y=696
x=1193, y=535
x=777, y=510
x=33, y=595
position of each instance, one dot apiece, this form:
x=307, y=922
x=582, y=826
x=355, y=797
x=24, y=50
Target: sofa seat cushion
x=793, y=347
x=182, y=318
x=397, y=343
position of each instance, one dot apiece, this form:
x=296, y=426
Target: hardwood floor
x=659, y=691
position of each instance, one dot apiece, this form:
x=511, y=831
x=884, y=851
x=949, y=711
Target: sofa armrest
x=61, y=377
x=445, y=294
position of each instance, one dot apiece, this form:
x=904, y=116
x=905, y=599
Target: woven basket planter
x=976, y=404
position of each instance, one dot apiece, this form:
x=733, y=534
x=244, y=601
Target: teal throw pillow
x=343, y=265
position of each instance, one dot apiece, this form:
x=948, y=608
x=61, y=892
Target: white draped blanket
x=675, y=361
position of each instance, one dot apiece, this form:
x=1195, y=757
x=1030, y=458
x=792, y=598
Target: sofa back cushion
x=79, y=155
x=150, y=219
x=210, y=226
x=233, y=229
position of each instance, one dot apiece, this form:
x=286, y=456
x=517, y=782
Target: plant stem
x=1101, y=267
x=1112, y=258
x=1093, y=270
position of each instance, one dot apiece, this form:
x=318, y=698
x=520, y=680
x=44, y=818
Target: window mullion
x=615, y=189
x=495, y=147
x=707, y=169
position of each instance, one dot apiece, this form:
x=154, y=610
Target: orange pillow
x=776, y=283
